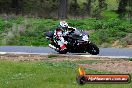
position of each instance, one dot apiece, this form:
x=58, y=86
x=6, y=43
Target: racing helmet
x=64, y=25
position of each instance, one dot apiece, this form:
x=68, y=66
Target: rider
x=61, y=31
x=58, y=36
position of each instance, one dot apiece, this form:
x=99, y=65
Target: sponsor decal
x=83, y=78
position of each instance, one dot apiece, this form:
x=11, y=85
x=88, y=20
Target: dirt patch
x=122, y=66
x=74, y=58
x=22, y=57
x=129, y=46
x=116, y=44
x=54, y=58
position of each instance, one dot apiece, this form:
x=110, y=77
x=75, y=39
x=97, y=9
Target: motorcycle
x=78, y=42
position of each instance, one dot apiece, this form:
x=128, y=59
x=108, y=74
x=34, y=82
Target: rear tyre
x=63, y=51
x=93, y=49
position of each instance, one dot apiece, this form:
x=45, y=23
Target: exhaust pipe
x=53, y=47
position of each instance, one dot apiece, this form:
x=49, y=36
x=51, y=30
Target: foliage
x=130, y=59
x=128, y=39
x=30, y=31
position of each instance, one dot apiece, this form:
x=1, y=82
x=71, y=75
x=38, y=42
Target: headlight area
x=85, y=38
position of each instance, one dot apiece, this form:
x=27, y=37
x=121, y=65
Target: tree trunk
x=102, y=5
x=62, y=9
x=75, y=10
x=88, y=8
x=17, y=6
x=122, y=8
x=130, y=11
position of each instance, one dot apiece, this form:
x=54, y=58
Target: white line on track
x=23, y=53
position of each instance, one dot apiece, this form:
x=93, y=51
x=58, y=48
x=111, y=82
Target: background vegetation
x=24, y=22
x=30, y=31
x=65, y=8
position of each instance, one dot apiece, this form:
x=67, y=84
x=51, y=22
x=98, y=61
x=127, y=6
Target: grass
x=52, y=56
x=109, y=14
x=45, y=75
x=88, y=61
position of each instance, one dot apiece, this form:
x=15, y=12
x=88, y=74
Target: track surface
x=121, y=52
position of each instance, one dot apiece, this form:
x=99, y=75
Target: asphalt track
x=104, y=52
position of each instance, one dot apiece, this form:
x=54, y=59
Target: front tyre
x=93, y=49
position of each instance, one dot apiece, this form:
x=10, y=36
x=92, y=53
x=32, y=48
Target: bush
x=128, y=39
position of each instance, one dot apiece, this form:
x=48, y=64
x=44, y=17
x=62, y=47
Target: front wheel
x=93, y=49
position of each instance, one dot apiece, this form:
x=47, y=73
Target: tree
x=122, y=8
x=74, y=8
x=16, y=6
x=102, y=5
x=5, y=6
x=88, y=7
x=130, y=10
x=62, y=9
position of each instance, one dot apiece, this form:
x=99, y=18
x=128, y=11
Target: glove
x=65, y=42
x=65, y=34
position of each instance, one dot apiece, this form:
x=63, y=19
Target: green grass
x=109, y=14
x=45, y=75
x=52, y=56
x=88, y=61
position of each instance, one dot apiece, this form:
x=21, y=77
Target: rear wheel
x=93, y=49
x=63, y=51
